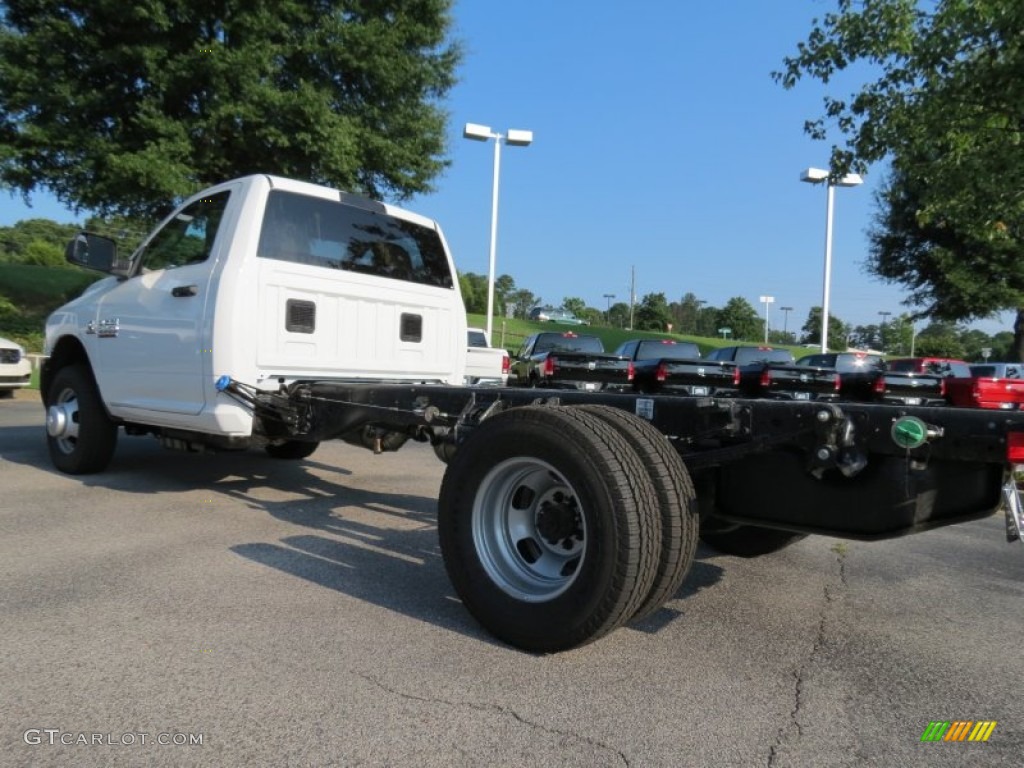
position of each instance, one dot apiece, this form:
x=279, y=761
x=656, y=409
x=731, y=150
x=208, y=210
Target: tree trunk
x=1018, y=335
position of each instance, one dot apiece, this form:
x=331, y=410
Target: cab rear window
x=337, y=235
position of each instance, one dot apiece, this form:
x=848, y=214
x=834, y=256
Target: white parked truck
x=268, y=280
x=276, y=313
x=485, y=365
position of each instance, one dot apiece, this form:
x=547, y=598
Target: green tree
x=941, y=339
x=973, y=341
x=124, y=107
x=865, y=336
x=474, y=292
x=35, y=241
x=686, y=312
x=618, y=315
x=522, y=302
x=946, y=111
x=652, y=313
x=1002, y=346
x=575, y=305
x=739, y=316
x=504, y=286
x=838, y=331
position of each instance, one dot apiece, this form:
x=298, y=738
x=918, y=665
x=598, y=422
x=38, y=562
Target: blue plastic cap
x=223, y=383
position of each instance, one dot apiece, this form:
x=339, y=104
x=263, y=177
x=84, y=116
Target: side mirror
x=96, y=252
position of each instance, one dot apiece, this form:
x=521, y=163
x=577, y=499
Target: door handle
x=180, y=291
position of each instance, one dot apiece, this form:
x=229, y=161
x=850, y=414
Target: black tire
x=445, y=451
x=80, y=436
x=6, y=393
x=677, y=503
x=292, y=450
x=747, y=540
x=549, y=528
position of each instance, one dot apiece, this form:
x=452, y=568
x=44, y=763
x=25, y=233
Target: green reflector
x=909, y=432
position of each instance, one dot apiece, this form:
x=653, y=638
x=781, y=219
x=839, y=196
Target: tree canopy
x=740, y=317
x=947, y=111
x=124, y=107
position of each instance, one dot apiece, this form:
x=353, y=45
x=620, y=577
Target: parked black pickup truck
x=569, y=361
x=858, y=376
x=745, y=354
x=676, y=368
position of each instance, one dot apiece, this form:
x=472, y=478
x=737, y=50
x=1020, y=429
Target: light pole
x=766, y=300
x=696, y=315
x=818, y=176
x=885, y=316
x=608, y=311
x=785, y=321
x=514, y=138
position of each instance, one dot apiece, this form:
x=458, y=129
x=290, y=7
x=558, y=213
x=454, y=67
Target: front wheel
x=549, y=527
x=80, y=436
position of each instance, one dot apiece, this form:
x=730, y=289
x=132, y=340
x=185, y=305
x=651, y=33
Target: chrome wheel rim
x=529, y=529
x=62, y=421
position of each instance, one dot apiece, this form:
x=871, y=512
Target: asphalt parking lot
x=233, y=610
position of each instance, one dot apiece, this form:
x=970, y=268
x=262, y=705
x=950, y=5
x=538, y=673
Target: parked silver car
x=552, y=315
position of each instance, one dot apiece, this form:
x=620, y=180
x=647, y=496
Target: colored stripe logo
x=958, y=730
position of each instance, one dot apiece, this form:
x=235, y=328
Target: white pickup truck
x=268, y=280
x=277, y=313
x=485, y=365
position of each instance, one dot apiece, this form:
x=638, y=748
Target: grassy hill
x=28, y=293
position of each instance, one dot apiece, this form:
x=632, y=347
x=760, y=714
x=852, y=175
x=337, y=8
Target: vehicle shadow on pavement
x=701, y=576
x=23, y=445
x=371, y=543
x=403, y=574
x=377, y=546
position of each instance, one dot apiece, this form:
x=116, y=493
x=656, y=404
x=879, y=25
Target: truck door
x=150, y=329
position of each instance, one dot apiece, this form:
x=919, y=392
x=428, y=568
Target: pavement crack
x=497, y=708
x=793, y=728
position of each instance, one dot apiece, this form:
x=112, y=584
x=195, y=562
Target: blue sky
x=661, y=143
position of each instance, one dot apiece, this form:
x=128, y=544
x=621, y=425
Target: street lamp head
x=849, y=180
x=818, y=175
x=814, y=175
x=478, y=132
x=517, y=138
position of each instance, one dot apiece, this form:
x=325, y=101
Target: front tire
x=80, y=436
x=549, y=527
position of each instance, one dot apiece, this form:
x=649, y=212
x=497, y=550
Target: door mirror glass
x=95, y=252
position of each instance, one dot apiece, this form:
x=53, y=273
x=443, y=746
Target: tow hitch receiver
x=1012, y=507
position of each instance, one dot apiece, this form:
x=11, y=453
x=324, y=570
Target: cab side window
x=188, y=237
